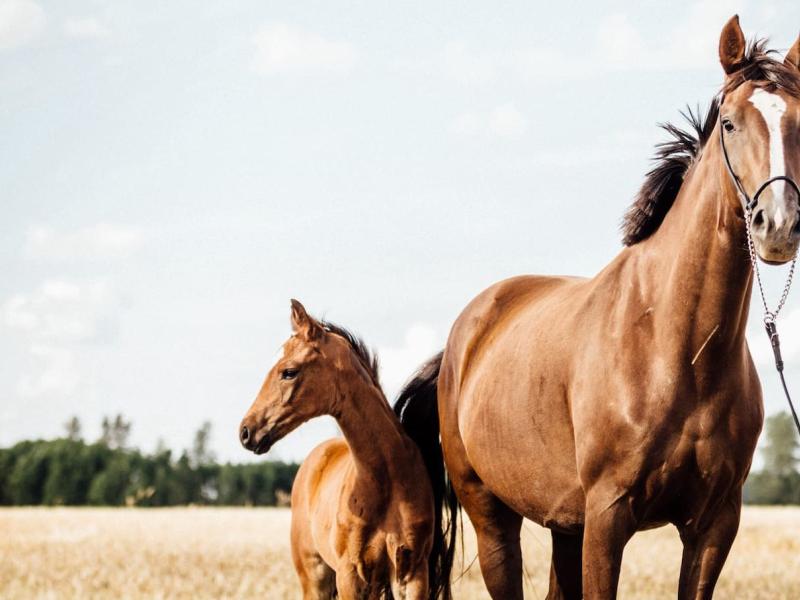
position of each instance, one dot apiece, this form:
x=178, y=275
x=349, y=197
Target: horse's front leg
x=350, y=585
x=610, y=523
x=414, y=586
x=704, y=553
x=409, y=569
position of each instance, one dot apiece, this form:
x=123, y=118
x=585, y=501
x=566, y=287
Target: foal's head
x=760, y=120
x=316, y=367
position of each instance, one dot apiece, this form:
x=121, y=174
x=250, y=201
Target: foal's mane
x=367, y=358
x=674, y=158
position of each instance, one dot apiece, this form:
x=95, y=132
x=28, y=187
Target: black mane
x=367, y=357
x=675, y=157
x=662, y=183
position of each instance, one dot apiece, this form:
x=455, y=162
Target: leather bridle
x=750, y=204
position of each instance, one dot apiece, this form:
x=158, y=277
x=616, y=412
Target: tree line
x=778, y=482
x=70, y=471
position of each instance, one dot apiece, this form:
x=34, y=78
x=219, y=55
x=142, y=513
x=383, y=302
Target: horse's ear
x=731, y=45
x=793, y=56
x=303, y=324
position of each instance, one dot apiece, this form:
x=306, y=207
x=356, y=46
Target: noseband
x=749, y=206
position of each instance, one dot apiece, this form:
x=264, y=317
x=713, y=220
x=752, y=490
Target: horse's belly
x=521, y=446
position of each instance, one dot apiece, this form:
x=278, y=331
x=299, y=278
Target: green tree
x=73, y=429
x=115, y=432
x=778, y=482
x=780, y=452
x=201, y=453
x=111, y=485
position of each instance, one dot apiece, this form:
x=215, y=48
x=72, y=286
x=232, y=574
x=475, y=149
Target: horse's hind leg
x=497, y=528
x=565, y=568
x=704, y=553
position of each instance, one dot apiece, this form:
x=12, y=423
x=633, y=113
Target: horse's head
x=305, y=382
x=760, y=121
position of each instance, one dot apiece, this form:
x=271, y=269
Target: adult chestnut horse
x=364, y=523
x=599, y=407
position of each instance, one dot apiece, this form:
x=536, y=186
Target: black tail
x=417, y=409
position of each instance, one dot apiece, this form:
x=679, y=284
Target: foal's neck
x=370, y=427
x=699, y=258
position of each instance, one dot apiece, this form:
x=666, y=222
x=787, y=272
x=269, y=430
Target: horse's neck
x=697, y=262
x=370, y=428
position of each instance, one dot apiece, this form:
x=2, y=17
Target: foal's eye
x=289, y=373
x=728, y=125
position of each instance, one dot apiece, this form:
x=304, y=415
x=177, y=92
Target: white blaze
x=772, y=108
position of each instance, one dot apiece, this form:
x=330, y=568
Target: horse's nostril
x=244, y=435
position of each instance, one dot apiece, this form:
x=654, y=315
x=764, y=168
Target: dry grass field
x=243, y=553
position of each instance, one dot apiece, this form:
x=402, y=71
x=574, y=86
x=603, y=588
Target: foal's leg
x=317, y=579
x=565, y=568
x=349, y=585
x=610, y=523
x=412, y=586
x=704, y=553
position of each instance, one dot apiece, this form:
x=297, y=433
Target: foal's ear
x=731, y=45
x=793, y=56
x=303, y=324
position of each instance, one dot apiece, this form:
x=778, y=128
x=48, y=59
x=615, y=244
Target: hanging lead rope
x=770, y=316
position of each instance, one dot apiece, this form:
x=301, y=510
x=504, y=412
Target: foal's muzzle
x=249, y=437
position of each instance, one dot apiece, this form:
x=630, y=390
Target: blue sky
x=172, y=173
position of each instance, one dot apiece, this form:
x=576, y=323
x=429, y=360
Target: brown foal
x=599, y=407
x=364, y=521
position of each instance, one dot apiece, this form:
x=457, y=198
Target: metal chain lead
x=769, y=315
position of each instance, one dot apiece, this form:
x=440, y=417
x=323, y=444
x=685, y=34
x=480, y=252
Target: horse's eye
x=728, y=125
x=289, y=373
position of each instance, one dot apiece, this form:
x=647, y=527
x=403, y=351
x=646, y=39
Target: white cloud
x=62, y=312
x=85, y=28
x=618, y=41
x=52, y=323
x=507, y=121
x=618, y=147
x=58, y=373
x=281, y=48
x=421, y=341
x=467, y=124
x=21, y=21
x=617, y=45
x=691, y=44
x=694, y=42
x=503, y=121
x=101, y=241
x=467, y=67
